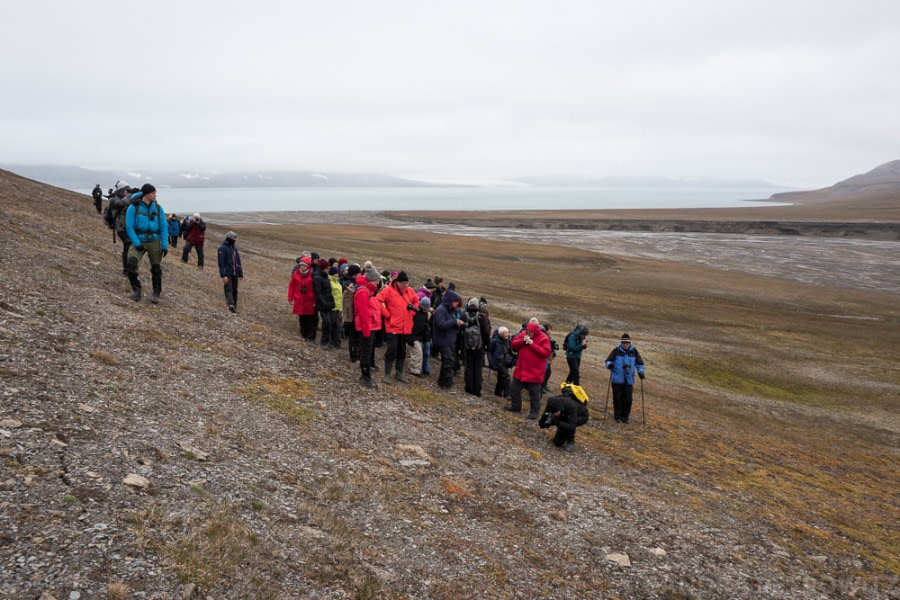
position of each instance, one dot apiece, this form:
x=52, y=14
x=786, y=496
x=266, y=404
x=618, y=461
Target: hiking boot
x=399, y=376
x=136, y=294
x=154, y=299
x=532, y=416
x=232, y=308
x=387, y=378
x=511, y=409
x=569, y=447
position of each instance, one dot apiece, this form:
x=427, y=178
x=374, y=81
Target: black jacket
x=572, y=413
x=421, y=329
x=322, y=287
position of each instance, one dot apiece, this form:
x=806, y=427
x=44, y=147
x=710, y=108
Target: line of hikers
x=138, y=220
x=373, y=309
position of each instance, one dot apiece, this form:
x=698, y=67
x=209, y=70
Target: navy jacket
x=230, y=261
x=444, y=321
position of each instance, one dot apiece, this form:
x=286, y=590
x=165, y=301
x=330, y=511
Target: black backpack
x=472, y=334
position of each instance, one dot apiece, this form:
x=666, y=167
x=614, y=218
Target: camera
x=410, y=306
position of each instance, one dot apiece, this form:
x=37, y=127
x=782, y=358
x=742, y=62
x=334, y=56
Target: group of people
x=381, y=309
x=138, y=220
x=372, y=309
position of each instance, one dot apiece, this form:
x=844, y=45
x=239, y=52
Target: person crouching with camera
x=567, y=412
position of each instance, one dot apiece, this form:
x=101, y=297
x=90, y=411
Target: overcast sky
x=800, y=93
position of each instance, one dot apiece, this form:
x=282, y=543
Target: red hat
x=342, y=261
x=323, y=264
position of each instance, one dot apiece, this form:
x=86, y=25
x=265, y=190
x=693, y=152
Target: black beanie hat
x=402, y=276
x=625, y=337
x=353, y=270
x=147, y=188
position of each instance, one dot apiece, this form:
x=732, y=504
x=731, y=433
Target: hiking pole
x=643, y=412
x=606, y=404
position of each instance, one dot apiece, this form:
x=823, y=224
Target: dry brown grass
x=282, y=395
x=209, y=549
x=117, y=591
x=107, y=358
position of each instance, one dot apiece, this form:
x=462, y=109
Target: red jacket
x=301, y=293
x=195, y=233
x=366, y=308
x=532, y=362
x=398, y=318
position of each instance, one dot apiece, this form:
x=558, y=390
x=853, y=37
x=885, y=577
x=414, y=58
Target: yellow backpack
x=577, y=391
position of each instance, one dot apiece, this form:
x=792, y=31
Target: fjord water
x=181, y=200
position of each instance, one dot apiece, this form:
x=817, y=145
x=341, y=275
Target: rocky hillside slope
x=179, y=451
x=872, y=188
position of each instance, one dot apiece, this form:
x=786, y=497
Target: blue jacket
x=444, y=321
x=145, y=223
x=174, y=227
x=230, y=261
x=622, y=363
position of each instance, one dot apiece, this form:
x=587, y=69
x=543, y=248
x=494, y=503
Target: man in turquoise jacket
x=145, y=223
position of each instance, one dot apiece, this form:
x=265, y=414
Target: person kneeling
x=567, y=412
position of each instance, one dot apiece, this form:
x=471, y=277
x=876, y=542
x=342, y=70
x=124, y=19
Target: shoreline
x=637, y=221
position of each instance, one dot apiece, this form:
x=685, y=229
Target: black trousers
x=565, y=431
x=331, y=328
x=187, y=252
x=396, y=350
x=231, y=291
x=534, y=393
x=622, y=393
x=352, y=341
x=173, y=241
x=308, y=327
x=448, y=360
x=474, y=361
x=502, y=387
x=366, y=353
x=574, y=375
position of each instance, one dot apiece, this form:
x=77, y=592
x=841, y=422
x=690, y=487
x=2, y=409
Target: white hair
x=534, y=320
x=502, y=330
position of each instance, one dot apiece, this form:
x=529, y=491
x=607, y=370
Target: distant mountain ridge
x=79, y=178
x=881, y=184
x=641, y=181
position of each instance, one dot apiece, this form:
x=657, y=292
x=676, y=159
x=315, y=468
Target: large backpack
x=472, y=334
x=569, y=343
x=109, y=217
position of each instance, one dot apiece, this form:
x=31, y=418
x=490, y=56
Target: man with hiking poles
x=623, y=361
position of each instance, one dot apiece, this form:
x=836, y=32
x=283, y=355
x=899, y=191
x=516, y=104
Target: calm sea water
x=182, y=200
